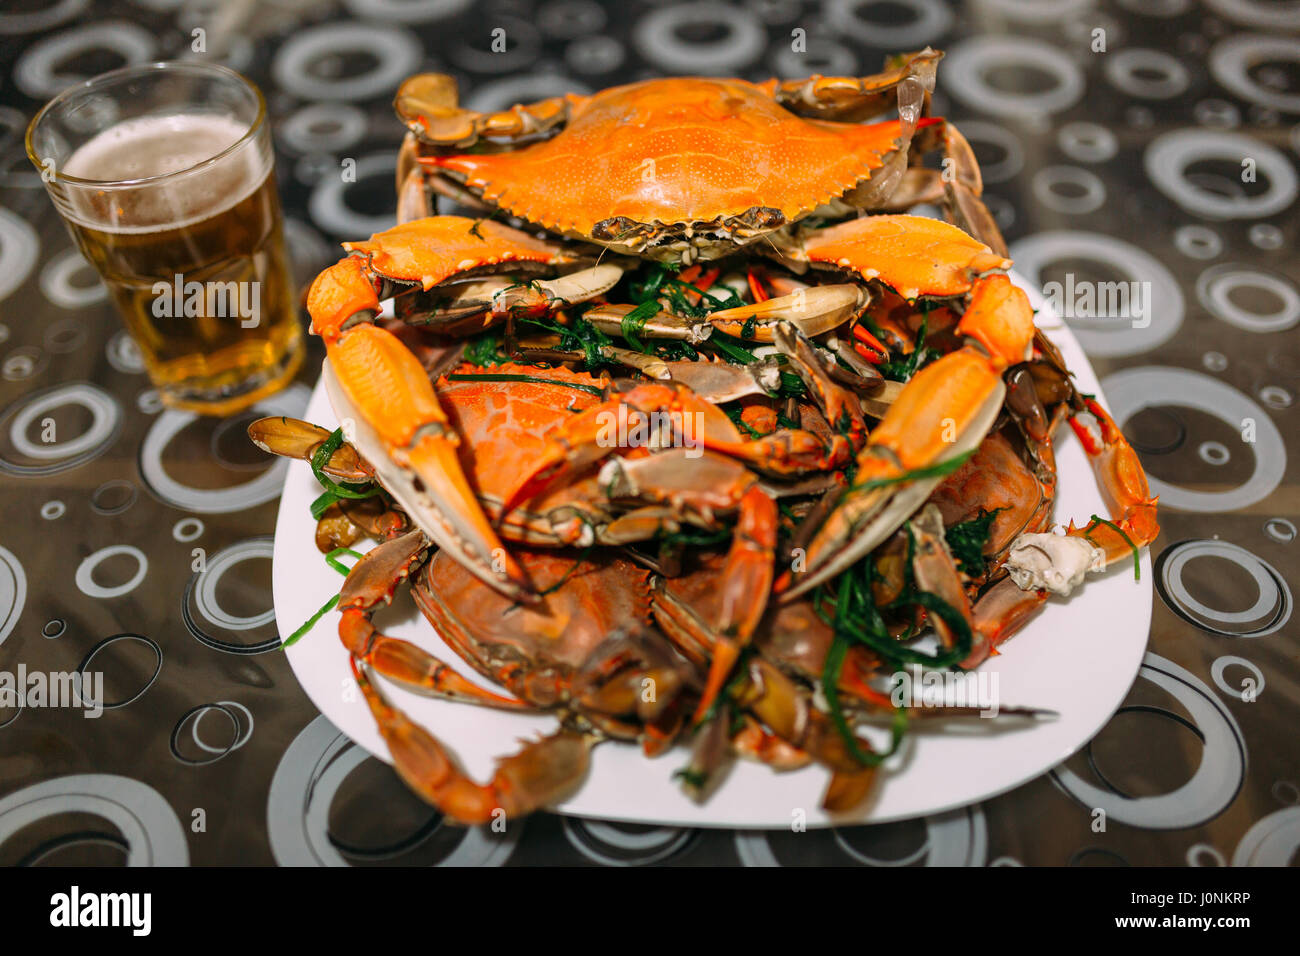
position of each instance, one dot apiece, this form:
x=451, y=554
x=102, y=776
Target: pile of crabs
x=688, y=432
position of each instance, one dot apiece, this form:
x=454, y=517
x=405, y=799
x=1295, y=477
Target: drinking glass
x=164, y=175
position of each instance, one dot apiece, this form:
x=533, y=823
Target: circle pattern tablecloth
x=1123, y=140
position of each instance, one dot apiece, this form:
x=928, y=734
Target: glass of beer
x=164, y=174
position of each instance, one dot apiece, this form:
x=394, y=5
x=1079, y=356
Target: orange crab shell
x=505, y=425
x=431, y=250
x=914, y=255
x=680, y=150
x=599, y=597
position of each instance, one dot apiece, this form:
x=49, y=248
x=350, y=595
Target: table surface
x=1167, y=158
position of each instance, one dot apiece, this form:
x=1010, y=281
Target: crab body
x=665, y=164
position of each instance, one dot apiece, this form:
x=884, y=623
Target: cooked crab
x=745, y=243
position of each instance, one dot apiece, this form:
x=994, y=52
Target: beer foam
x=151, y=146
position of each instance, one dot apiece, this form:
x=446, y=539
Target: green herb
x=734, y=413
x=731, y=349
x=696, y=539
x=322, y=504
x=579, y=334
x=903, y=368
x=332, y=559
x=311, y=622
x=482, y=350
x=648, y=289
x=678, y=294
x=747, y=330
x=675, y=350
x=635, y=321
x=695, y=779
x=966, y=540
x=334, y=491
x=858, y=618
x=953, y=618
x=792, y=386
x=831, y=670
x=1096, y=520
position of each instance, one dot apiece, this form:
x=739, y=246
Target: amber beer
x=179, y=214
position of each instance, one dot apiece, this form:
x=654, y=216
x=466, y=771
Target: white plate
x=1078, y=657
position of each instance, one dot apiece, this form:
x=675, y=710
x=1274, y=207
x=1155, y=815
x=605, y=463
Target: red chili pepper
x=870, y=355
x=756, y=287
x=708, y=279
x=863, y=335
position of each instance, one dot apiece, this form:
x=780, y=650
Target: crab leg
x=934, y=571
x=698, y=486
x=628, y=419
x=1040, y=564
x=414, y=189
x=945, y=410
x=785, y=707
x=541, y=773
x=959, y=187
x=840, y=406
x=497, y=299
x=371, y=583
x=294, y=438
x=746, y=583
x=1123, y=484
x=429, y=105
x=756, y=743
x=662, y=325
x=852, y=98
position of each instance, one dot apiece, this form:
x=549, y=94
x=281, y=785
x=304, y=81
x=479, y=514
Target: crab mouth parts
x=622, y=232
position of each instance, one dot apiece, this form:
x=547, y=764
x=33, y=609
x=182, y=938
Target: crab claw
x=371, y=583
x=913, y=255
x=1123, y=485
x=812, y=311
x=294, y=438
x=840, y=406
x=1059, y=563
x=423, y=473
x=943, y=413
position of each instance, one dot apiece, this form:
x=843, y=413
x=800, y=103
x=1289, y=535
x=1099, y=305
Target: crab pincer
x=945, y=409
x=381, y=389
